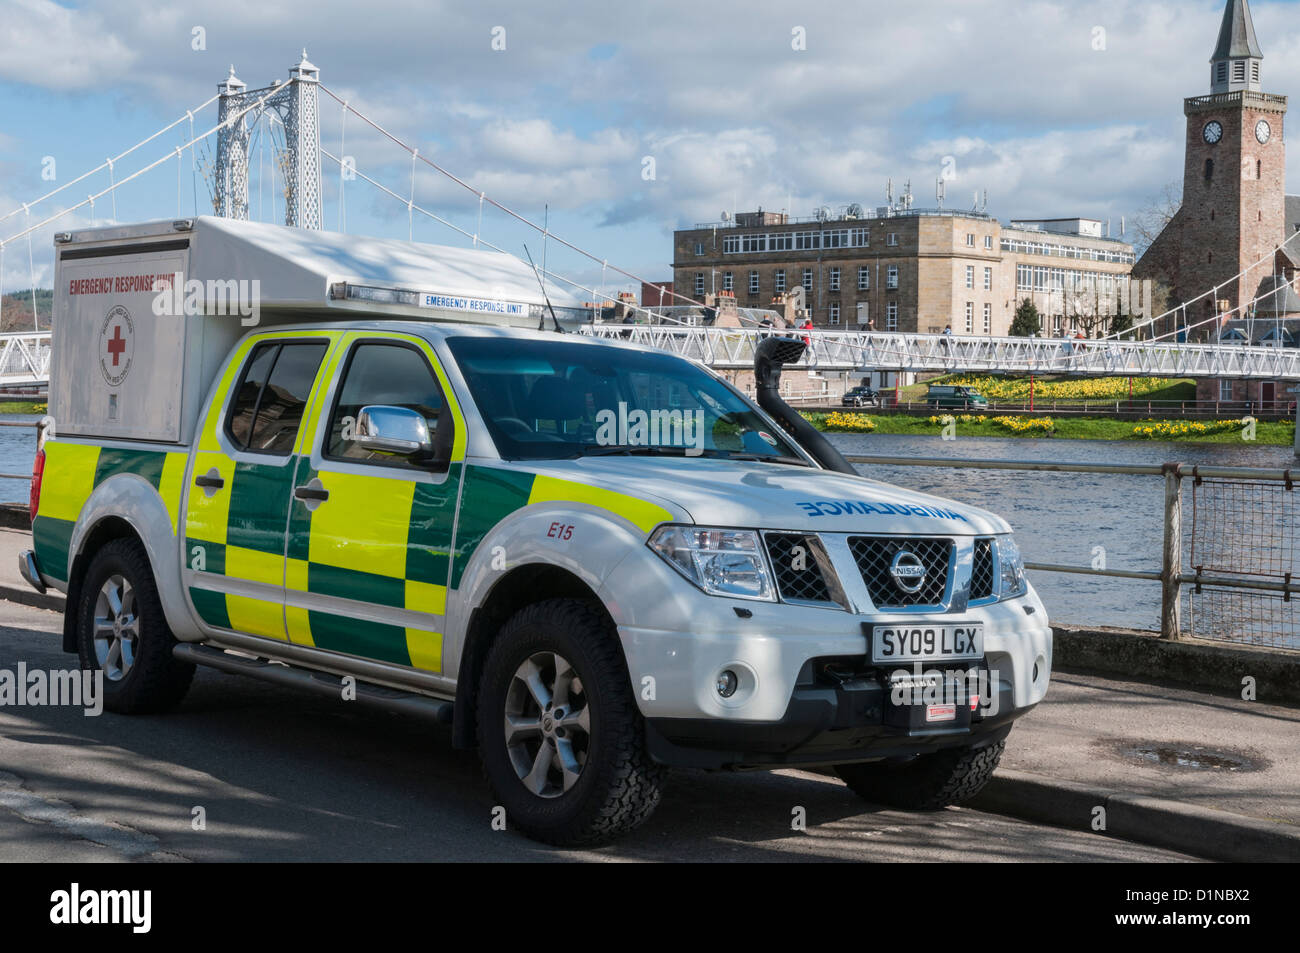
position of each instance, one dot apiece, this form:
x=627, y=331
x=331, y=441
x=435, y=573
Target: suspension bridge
x=294, y=107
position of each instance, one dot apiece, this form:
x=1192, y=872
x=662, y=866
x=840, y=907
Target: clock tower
x=1233, y=213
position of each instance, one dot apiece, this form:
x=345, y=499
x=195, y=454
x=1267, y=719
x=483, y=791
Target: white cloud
x=53, y=47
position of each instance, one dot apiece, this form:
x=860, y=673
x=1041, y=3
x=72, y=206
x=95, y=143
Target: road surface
x=277, y=775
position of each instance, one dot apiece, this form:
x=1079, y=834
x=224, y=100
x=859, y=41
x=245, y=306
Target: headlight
x=722, y=562
x=1011, y=569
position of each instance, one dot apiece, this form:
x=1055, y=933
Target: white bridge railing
x=733, y=349
x=24, y=358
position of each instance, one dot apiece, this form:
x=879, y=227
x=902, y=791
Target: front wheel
x=559, y=733
x=121, y=631
x=928, y=782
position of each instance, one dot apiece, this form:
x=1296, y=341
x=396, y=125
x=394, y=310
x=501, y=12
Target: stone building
x=1219, y=256
x=903, y=269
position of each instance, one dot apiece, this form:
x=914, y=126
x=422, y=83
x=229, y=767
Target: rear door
x=370, y=535
x=241, y=481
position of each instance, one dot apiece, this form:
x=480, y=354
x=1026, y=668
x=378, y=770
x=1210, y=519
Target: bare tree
x=1152, y=218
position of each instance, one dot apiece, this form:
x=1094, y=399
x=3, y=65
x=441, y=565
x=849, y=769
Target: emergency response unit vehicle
x=381, y=471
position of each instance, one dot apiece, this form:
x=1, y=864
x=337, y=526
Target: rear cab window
x=271, y=397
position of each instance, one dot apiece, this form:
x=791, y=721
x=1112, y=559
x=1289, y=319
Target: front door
x=369, y=546
x=237, y=504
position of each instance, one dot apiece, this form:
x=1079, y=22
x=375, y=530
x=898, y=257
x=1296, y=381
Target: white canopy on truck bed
x=135, y=348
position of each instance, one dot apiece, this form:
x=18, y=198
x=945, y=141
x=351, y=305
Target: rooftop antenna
x=985, y=206
x=939, y=191
x=1121, y=226
x=541, y=324
x=975, y=205
x=889, y=191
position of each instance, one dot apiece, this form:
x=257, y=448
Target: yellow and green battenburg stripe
x=344, y=550
x=73, y=470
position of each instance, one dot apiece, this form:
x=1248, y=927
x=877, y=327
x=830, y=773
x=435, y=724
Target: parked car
x=861, y=396
x=955, y=396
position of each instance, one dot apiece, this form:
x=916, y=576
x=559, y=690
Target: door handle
x=311, y=493
x=210, y=481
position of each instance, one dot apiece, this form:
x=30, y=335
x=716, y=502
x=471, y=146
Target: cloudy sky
x=1056, y=109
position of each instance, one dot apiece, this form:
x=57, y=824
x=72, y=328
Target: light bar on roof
x=343, y=290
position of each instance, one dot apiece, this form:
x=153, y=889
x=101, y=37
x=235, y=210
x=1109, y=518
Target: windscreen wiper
x=631, y=450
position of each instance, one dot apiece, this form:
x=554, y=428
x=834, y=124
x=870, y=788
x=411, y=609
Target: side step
x=322, y=683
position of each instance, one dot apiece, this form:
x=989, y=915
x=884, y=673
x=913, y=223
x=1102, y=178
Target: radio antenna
x=541, y=325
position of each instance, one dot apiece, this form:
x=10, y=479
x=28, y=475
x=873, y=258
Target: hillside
x=16, y=309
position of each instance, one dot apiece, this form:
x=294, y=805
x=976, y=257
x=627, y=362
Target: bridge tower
x=296, y=104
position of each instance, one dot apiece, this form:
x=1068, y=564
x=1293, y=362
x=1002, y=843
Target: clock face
x=1262, y=131
x=1212, y=132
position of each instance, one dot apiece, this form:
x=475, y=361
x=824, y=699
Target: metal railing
x=858, y=351
x=1276, y=582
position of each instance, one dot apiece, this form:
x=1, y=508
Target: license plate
x=925, y=642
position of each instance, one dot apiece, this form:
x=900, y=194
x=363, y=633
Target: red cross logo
x=117, y=344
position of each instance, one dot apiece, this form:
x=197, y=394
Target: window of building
x=781, y=242
x=864, y=276
x=970, y=317
x=835, y=238
x=728, y=281
x=1254, y=71
x=835, y=279
x=753, y=243
x=699, y=248
x=835, y=312
x=891, y=316
x=1056, y=324
x=1221, y=72
x=988, y=279
x=861, y=237
x=730, y=244
x=892, y=239
x=1225, y=389
x=1238, y=71
x=891, y=277
x=779, y=279
x=753, y=282
x=699, y=282
x=970, y=276
x=807, y=279
x=970, y=239
x=988, y=241
x=805, y=241
x=1209, y=169
x=988, y=318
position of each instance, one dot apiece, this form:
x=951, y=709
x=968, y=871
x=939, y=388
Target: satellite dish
x=726, y=216
x=854, y=211
x=823, y=213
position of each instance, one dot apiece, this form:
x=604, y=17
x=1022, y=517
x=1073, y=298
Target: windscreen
x=562, y=399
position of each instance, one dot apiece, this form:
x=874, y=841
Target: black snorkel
x=769, y=358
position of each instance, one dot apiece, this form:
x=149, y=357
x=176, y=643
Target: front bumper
x=677, y=640
x=831, y=721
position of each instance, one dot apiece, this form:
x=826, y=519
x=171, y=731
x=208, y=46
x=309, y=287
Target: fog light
x=727, y=683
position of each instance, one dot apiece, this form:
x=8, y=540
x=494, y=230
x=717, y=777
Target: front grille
x=875, y=554
x=981, y=573
x=798, y=575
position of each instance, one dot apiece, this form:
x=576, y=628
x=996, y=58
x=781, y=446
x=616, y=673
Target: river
x=1058, y=517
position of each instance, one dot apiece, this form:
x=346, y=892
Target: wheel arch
x=519, y=587
x=127, y=506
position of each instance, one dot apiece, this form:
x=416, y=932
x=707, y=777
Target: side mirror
x=396, y=430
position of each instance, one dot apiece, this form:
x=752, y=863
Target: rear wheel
x=928, y=782
x=122, y=632
x=562, y=741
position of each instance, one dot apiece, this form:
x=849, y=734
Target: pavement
x=1182, y=773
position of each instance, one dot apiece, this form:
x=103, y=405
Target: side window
x=390, y=374
x=268, y=406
